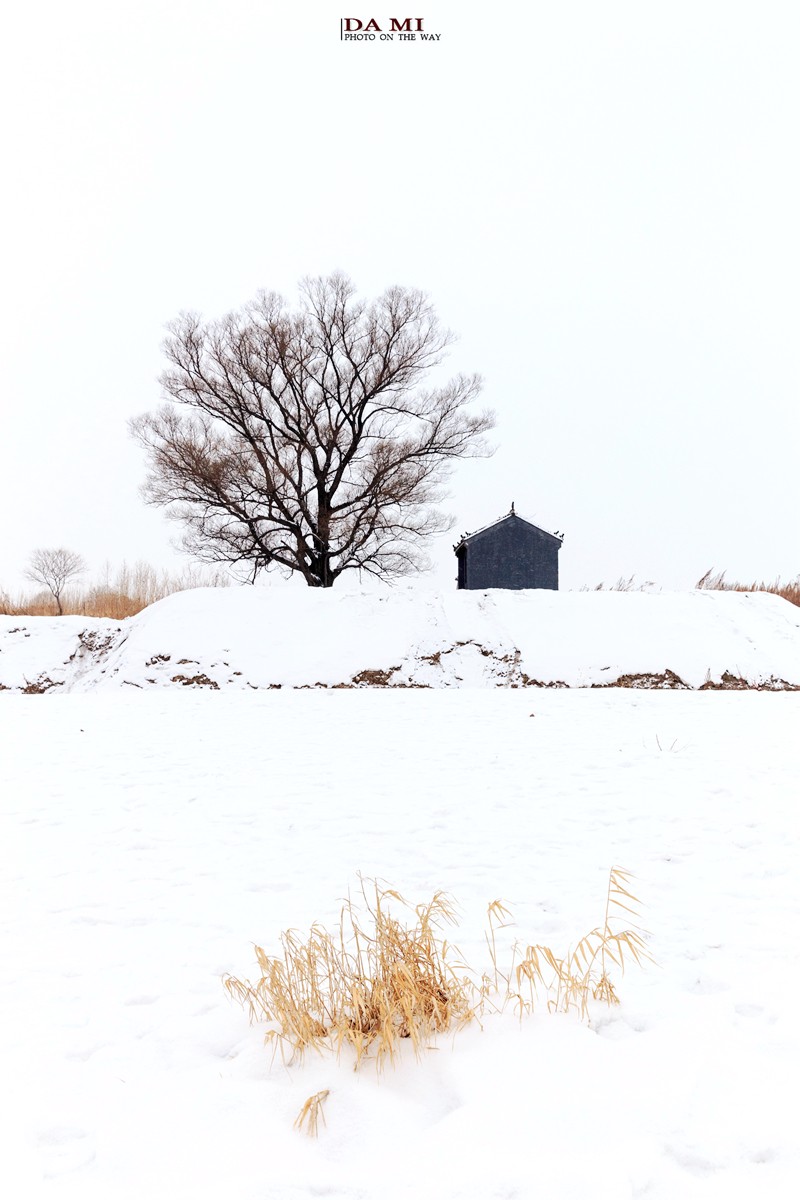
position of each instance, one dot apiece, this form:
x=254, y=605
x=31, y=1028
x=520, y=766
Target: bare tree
x=309, y=443
x=54, y=569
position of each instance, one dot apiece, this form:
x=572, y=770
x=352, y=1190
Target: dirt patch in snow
x=39, y=686
x=649, y=680
x=195, y=681
x=735, y=683
x=372, y=678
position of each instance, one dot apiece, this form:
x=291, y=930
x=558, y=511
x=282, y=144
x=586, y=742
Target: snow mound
x=241, y=638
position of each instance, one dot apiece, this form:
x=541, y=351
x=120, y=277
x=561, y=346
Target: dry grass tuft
x=366, y=988
x=715, y=581
x=374, y=983
x=568, y=982
x=311, y=1112
x=712, y=581
x=632, y=584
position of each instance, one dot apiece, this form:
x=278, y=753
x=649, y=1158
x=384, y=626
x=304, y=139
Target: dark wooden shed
x=511, y=553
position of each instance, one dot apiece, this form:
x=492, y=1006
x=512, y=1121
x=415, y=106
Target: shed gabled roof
x=512, y=516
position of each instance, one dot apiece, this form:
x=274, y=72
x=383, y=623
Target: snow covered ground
x=247, y=638
x=150, y=837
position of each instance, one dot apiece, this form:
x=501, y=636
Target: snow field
x=238, y=639
x=150, y=840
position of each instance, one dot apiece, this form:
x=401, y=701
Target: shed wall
x=511, y=555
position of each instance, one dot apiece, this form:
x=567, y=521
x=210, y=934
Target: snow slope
x=149, y=838
x=259, y=638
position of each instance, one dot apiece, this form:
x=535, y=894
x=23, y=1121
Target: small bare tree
x=54, y=569
x=306, y=440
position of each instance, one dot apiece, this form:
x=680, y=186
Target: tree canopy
x=306, y=439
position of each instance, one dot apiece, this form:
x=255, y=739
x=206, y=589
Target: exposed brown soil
x=649, y=681
x=735, y=683
x=39, y=686
x=526, y=681
x=372, y=678
x=196, y=681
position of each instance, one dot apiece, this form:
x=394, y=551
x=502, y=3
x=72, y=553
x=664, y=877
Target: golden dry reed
x=366, y=988
x=377, y=983
x=116, y=595
x=716, y=582
x=568, y=982
x=309, y=1115
x=712, y=581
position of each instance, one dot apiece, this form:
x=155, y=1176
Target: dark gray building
x=512, y=553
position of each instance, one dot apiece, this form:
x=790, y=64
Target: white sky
x=601, y=199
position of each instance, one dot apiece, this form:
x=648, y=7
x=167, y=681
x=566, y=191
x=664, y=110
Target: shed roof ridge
x=467, y=537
